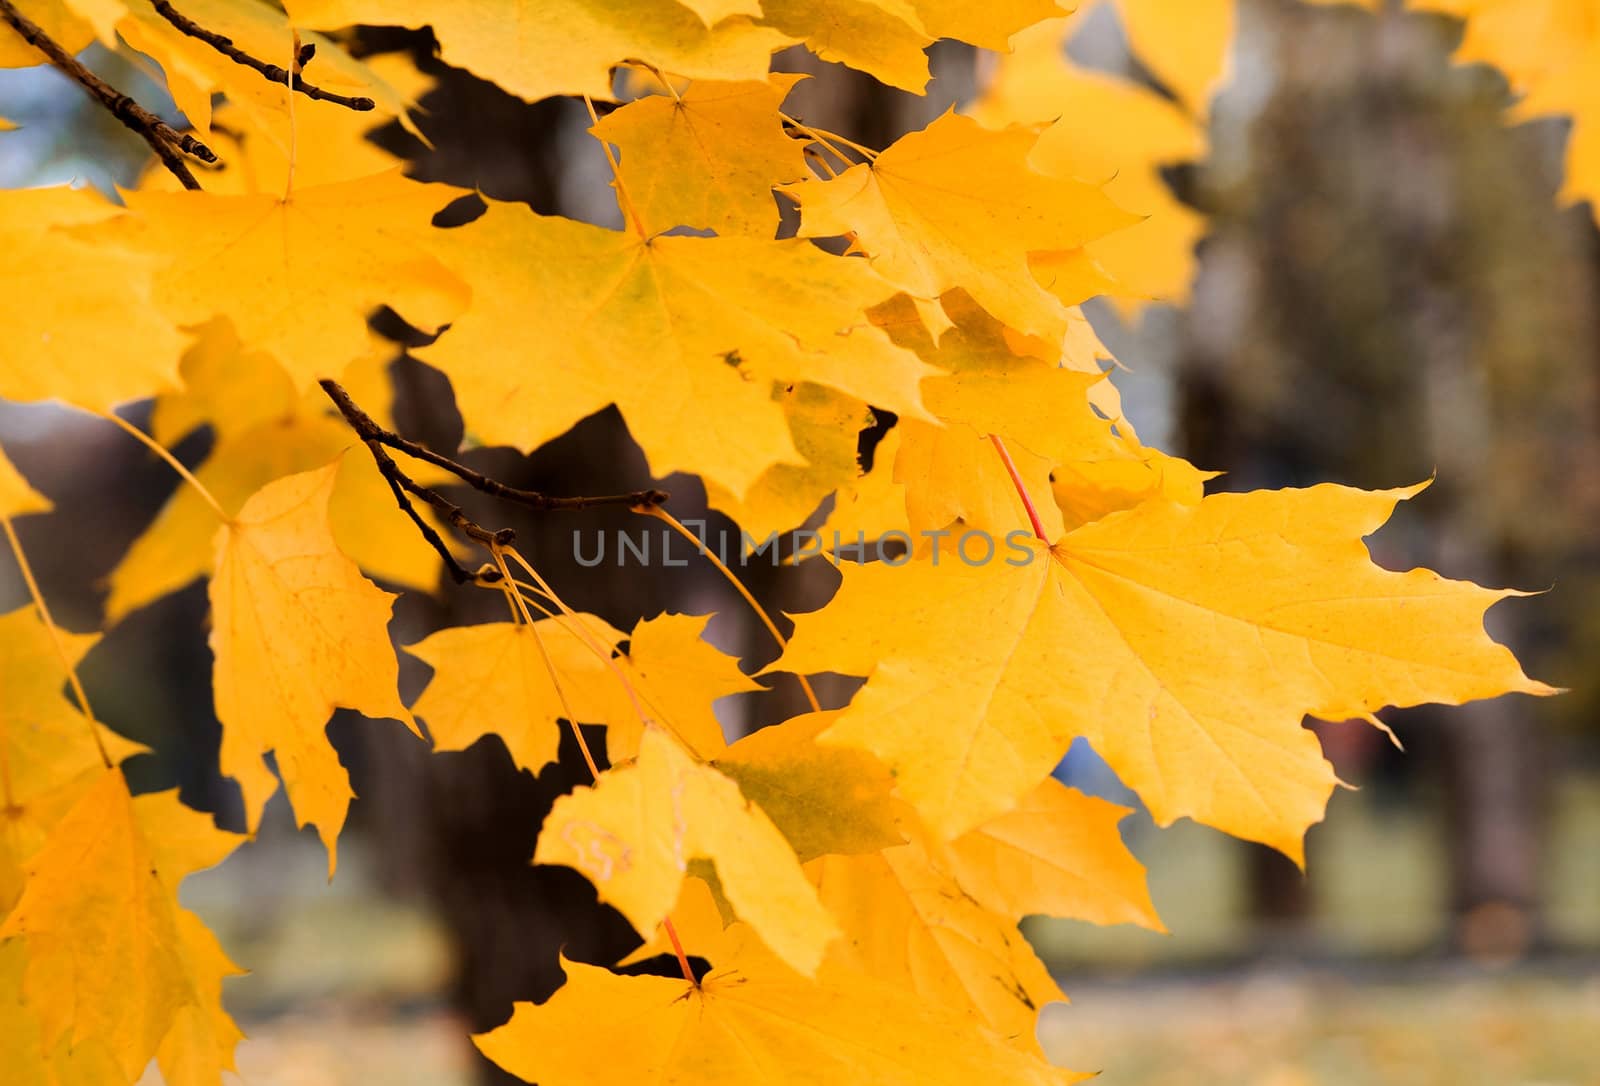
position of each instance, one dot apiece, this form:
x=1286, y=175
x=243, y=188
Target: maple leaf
x=955, y=205
x=17, y=496
x=1186, y=643
x=1104, y=128
x=708, y=157
x=1548, y=50
x=634, y=831
x=824, y=426
x=824, y=799
x=328, y=142
x=266, y=430
x=887, y=38
x=314, y=265
x=685, y=335
x=101, y=932
x=196, y=71
x=49, y=750
x=1038, y=399
x=674, y=675
x=501, y=678
x=79, y=322
x=751, y=1019
x=1186, y=43
x=539, y=48
x=940, y=919
x=59, y=23
x=297, y=632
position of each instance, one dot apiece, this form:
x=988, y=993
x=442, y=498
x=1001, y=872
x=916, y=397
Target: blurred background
x=1388, y=290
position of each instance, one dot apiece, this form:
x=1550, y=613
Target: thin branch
x=401, y=486
x=163, y=139
x=367, y=428
x=271, y=72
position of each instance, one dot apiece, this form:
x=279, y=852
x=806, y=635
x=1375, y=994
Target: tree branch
x=364, y=425
x=379, y=440
x=271, y=72
x=165, y=141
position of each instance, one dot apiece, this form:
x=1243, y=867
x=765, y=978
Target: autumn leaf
x=1186, y=643
x=101, y=931
x=56, y=19
x=707, y=158
x=824, y=799
x=195, y=71
x=49, y=749
x=1186, y=43
x=634, y=831
x=296, y=277
x=1107, y=129
x=686, y=335
x=80, y=326
x=1057, y=853
x=955, y=205
x=17, y=496
x=751, y=1019
x=537, y=48
x=941, y=919
x=266, y=430
x=824, y=426
x=501, y=678
x=297, y=632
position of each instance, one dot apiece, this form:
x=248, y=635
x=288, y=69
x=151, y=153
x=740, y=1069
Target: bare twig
x=531, y=498
x=379, y=440
x=271, y=72
x=163, y=139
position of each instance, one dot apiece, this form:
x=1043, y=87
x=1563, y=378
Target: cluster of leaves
x=855, y=875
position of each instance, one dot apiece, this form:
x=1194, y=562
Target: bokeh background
x=1388, y=291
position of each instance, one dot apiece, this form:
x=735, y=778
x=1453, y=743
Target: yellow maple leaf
x=908, y=923
x=494, y=678
x=887, y=38
x=884, y=38
x=56, y=19
x=873, y=504
x=940, y=919
x=1040, y=401
x=1057, y=853
x=633, y=833
x=1186, y=643
x=314, y=264
x=538, y=48
x=824, y=426
x=707, y=158
x=685, y=335
x=297, y=632
x=676, y=675
x=955, y=205
x=1548, y=50
x=49, y=753
x=79, y=322
x=266, y=430
x=104, y=962
x=1107, y=129
x=824, y=799
x=17, y=496
x=253, y=145
x=751, y=1019
x=196, y=71
x=1186, y=43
